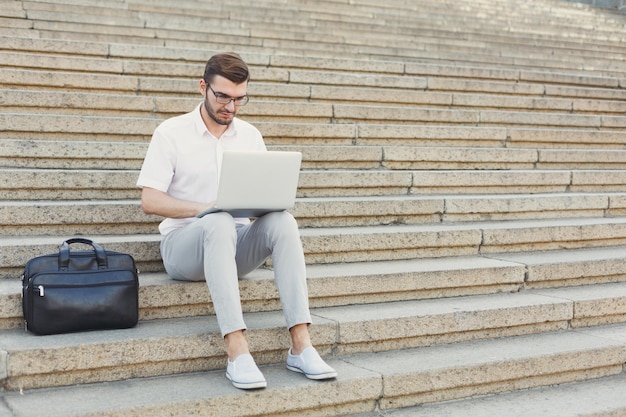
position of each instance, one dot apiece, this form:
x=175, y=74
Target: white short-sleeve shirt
x=184, y=159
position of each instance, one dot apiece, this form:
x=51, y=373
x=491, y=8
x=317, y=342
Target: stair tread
x=368, y=282
x=402, y=373
x=354, y=324
x=381, y=242
x=595, y=397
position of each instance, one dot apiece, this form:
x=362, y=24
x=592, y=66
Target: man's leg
x=277, y=235
x=205, y=250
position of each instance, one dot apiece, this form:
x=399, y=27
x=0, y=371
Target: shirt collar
x=201, y=128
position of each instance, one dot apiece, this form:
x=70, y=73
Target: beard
x=222, y=117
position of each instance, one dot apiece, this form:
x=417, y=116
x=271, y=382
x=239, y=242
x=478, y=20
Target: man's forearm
x=157, y=202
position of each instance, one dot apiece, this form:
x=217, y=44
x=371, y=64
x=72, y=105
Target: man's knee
x=218, y=224
x=281, y=223
x=281, y=218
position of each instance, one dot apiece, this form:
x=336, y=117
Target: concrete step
x=97, y=217
x=372, y=243
x=24, y=216
x=94, y=217
x=52, y=127
x=371, y=114
x=329, y=285
x=467, y=78
x=76, y=154
x=63, y=184
x=441, y=136
x=90, y=128
x=600, y=397
x=486, y=367
x=162, y=108
x=271, y=95
x=366, y=382
x=498, y=182
x=121, y=107
x=334, y=285
x=194, y=344
x=20, y=153
x=96, y=14
x=292, y=133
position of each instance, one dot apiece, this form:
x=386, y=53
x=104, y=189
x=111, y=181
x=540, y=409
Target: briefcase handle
x=64, y=253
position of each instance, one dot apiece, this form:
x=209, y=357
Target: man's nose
x=231, y=106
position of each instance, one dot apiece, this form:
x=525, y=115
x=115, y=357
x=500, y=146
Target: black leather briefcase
x=74, y=291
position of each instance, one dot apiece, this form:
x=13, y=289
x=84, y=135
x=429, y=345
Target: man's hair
x=229, y=65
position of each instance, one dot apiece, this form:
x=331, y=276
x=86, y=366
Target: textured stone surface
x=354, y=392
x=399, y=157
x=370, y=243
x=446, y=372
x=409, y=324
x=151, y=348
x=488, y=182
x=390, y=379
x=329, y=285
x=594, y=305
x=598, y=397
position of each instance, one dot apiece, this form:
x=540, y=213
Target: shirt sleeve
x=158, y=166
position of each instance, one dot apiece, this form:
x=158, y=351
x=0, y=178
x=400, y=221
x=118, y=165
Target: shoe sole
x=247, y=385
x=327, y=375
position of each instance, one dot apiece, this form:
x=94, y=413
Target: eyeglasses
x=224, y=99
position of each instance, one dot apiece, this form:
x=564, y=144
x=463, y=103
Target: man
x=179, y=180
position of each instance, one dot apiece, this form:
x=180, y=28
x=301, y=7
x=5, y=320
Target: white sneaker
x=244, y=374
x=310, y=364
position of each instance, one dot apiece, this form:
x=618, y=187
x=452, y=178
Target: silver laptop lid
x=253, y=183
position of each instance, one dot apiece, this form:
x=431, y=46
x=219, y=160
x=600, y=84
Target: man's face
x=222, y=89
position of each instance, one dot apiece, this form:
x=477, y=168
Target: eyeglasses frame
x=221, y=96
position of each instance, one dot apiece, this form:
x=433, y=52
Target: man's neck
x=214, y=128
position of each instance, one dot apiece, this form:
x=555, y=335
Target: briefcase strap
x=64, y=253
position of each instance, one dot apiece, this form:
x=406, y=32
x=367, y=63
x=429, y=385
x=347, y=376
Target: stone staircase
x=462, y=203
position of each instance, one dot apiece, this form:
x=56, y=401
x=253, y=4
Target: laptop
x=254, y=183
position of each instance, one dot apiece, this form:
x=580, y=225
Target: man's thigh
x=183, y=250
x=256, y=241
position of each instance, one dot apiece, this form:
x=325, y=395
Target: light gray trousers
x=217, y=250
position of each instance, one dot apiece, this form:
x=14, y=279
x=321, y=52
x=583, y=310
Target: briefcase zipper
x=40, y=288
